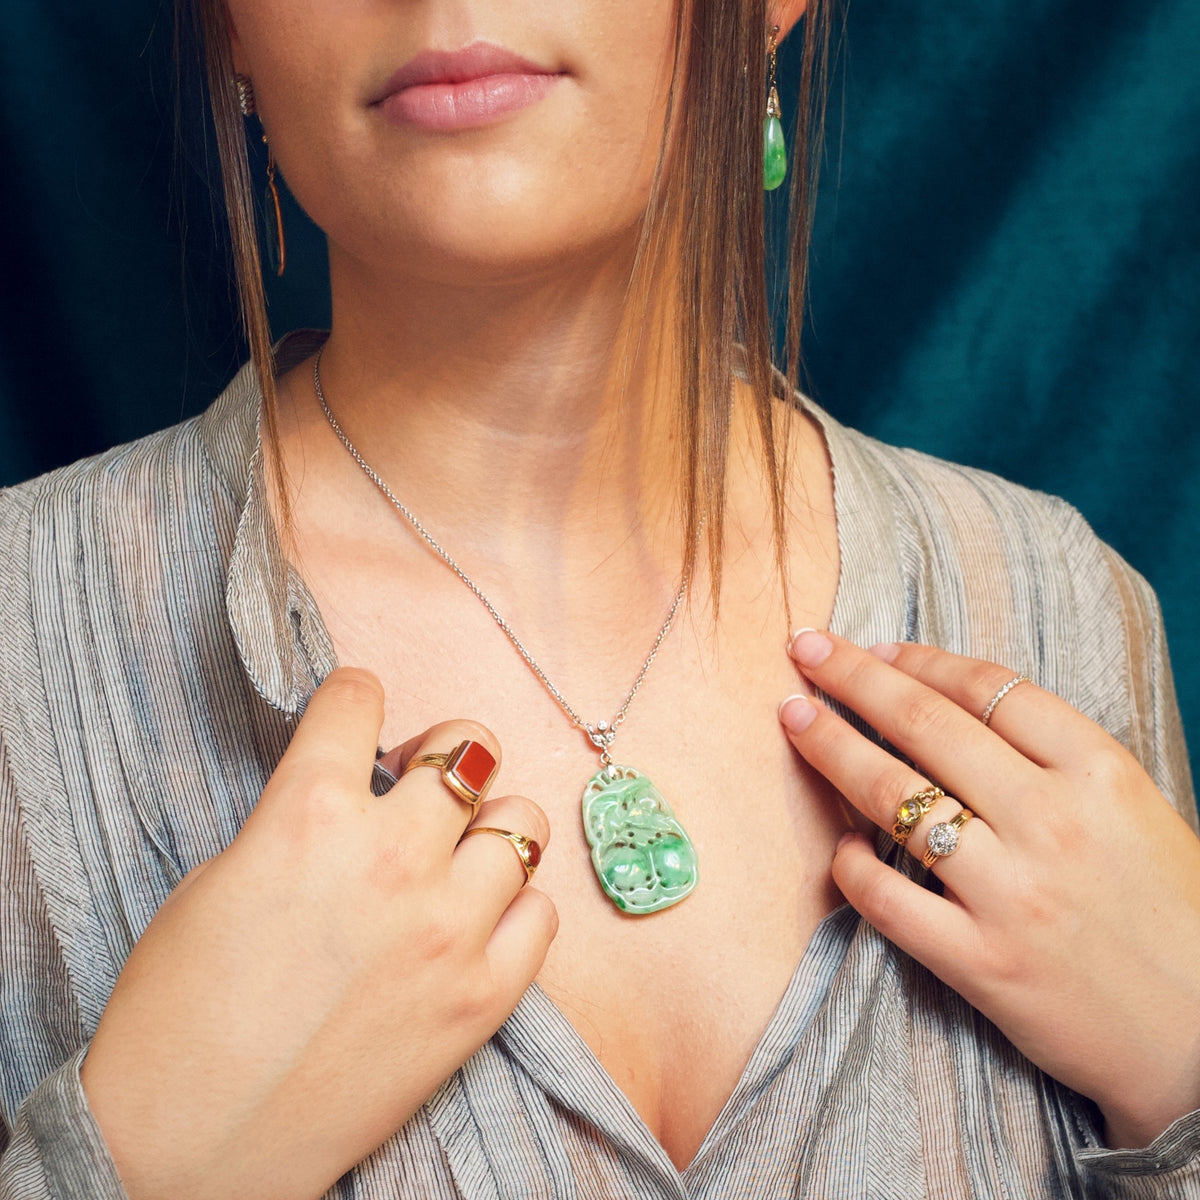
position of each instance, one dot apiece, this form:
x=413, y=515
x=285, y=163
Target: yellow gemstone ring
x=909, y=814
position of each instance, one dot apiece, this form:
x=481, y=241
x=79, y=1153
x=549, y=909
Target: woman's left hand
x=1071, y=910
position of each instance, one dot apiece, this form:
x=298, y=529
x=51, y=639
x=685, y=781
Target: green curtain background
x=1006, y=269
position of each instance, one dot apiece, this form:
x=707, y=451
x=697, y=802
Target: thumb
x=335, y=743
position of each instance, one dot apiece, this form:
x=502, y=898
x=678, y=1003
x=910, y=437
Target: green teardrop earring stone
x=774, y=154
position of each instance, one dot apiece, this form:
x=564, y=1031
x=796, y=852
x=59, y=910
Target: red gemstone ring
x=467, y=770
x=529, y=852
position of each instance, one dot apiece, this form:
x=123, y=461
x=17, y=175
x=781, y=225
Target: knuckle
x=354, y=686
x=983, y=680
x=1040, y=907
x=438, y=937
x=921, y=718
x=395, y=867
x=1058, y=833
x=857, y=675
x=547, y=914
x=517, y=813
x=317, y=805
x=915, y=658
x=885, y=793
x=1002, y=966
x=447, y=734
x=1060, y=825
x=823, y=737
x=474, y=1001
x=1110, y=769
x=873, y=897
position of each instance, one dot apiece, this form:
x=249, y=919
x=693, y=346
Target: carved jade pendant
x=640, y=852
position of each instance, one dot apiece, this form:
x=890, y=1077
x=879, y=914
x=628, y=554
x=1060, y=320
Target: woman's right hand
x=299, y=996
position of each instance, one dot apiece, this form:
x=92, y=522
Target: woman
x=244, y=957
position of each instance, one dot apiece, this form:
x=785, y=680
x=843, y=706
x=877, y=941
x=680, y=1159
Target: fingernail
x=846, y=839
x=797, y=713
x=886, y=650
x=810, y=648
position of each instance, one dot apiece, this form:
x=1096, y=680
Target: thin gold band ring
x=528, y=851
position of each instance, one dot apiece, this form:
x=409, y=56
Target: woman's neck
x=522, y=419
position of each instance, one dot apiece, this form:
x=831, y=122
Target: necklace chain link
x=602, y=733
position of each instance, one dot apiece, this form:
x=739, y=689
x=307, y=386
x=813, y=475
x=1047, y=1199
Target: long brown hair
x=708, y=210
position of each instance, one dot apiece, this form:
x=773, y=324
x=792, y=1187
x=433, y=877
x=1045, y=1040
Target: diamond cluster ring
x=942, y=840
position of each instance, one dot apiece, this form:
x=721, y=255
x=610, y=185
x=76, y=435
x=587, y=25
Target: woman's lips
x=441, y=90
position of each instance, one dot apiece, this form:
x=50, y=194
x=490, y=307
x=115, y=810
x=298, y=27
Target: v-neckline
x=541, y=1039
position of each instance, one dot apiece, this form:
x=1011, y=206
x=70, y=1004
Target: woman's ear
x=235, y=44
x=785, y=14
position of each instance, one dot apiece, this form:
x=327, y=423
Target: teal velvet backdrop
x=1005, y=272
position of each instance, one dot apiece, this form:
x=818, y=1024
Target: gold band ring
x=467, y=770
x=986, y=716
x=909, y=814
x=529, y=852
x=943, y=837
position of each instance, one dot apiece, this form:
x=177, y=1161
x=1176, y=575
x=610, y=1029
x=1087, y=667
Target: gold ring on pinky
x=986, y=716
x=529, y=852
x=943, y=837
x=467, y=770
x=909, y=814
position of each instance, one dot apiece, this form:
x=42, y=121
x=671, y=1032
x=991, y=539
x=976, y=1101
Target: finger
x=338, y=735
x=877, y=783
x=932, y=929
x=1041, y=726
x=424, y=798
x=518, y=944
x=487, y=869
x=949, y=743
x=393, y=760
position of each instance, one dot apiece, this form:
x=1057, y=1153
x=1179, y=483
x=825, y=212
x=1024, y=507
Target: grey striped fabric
x=155, y=651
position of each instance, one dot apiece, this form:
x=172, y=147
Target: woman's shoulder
x=965, y=516
x=992, y=569
x=120, y=540
x=122, y=474
x=124, y=491
x=921, y=485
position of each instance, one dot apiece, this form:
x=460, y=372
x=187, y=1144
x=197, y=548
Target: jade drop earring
x=774, y=147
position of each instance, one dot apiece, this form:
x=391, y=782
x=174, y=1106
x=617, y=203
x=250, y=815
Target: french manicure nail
x=797, y=713
x=810, y=648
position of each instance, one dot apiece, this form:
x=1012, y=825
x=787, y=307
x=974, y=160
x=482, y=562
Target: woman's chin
x=483, y=253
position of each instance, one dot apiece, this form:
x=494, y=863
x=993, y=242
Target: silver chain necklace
x=643, y=858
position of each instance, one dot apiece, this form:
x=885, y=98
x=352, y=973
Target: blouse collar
x=276, y=626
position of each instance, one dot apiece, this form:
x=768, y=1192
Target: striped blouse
x=155, y=651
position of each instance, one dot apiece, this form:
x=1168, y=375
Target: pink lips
x=461, y=89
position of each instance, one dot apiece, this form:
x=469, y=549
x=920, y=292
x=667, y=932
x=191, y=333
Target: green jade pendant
x=642, y=856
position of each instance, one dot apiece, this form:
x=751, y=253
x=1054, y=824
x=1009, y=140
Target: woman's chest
x=672, y=1004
